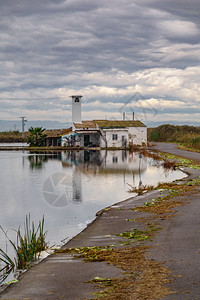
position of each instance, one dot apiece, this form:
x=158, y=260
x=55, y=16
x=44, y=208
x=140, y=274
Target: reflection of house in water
x=124, y=161
x=38, y=159
x=77, y=186
x=81, y=159
x=90, y=163
x=62, y=188
x=101, y=162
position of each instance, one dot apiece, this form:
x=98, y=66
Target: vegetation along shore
x=186, y=136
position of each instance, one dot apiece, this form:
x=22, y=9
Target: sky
x=140, y=56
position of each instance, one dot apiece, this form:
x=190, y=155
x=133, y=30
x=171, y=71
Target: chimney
x=76, y=109
x=133, y=116
x=124, y=116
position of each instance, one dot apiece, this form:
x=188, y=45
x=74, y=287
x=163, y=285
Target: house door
x=86, y=140
x=123, y=141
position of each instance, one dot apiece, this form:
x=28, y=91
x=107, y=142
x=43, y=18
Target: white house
x=103, y=133
x=107, y=133
x=119, y=133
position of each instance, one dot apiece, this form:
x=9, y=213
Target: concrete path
x=172, y=148
x=178, y=244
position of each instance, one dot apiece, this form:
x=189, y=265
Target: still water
x=13, y=145
x=68, y=188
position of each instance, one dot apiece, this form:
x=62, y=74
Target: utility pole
x=23, y=124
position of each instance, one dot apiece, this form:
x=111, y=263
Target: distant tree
x=154, y=136
x=36, y=137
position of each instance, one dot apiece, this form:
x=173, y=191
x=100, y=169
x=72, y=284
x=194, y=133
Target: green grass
x=135, y=234
x=181, y=162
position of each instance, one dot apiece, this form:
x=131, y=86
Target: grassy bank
x=16, y=136
x=188, y=136
x=11, y=137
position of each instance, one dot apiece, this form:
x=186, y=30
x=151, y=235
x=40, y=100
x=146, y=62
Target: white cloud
x=179, y=28
x=163, y=82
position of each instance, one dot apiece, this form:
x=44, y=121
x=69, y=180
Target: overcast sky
x=120, y=55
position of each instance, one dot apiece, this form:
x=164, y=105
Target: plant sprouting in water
x=8, y=265
x=27, y=248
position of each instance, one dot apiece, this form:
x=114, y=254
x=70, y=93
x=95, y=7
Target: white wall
x=109, y=137
x=76, y=110
x=138, y=135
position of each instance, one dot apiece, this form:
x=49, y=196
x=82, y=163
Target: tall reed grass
x=190, y=140
x=27, y=247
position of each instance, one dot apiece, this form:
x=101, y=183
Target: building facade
x=107, y=133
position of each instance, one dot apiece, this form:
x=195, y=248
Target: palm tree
x=36, y=137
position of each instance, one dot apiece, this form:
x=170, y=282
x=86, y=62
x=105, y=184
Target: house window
x=115, y=159
x=114, y=137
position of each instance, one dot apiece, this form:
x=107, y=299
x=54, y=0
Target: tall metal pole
x=23, y=125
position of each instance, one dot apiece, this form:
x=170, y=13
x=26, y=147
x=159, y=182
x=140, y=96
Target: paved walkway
x=172, y=148
x=178, y=244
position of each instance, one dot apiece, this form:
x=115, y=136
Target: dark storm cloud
x=84, y=36
x=53, y=47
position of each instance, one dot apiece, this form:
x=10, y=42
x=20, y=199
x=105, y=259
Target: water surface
x=13, y=145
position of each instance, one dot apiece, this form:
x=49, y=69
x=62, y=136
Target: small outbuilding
x=53, y=141
x=54, y=136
